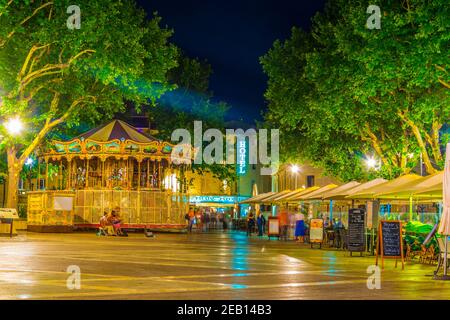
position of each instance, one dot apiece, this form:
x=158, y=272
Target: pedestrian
x=284, y=224
x=263, y=220
x=207, y=220
x=259, y=221
x=187, y=218
x=250, y=224
x=198, y=220
x=191, y=218
x=224, y=222
x=300, y=227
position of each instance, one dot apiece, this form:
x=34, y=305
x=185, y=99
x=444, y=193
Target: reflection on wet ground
x=198, y=266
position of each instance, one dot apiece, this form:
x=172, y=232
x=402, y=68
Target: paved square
x=198, y=266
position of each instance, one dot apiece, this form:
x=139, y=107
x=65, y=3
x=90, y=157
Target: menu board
x=274, y=226
x=356, y=228
x=391, y=237
x=316, y=230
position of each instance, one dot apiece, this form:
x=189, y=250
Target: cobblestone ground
x=198, y=266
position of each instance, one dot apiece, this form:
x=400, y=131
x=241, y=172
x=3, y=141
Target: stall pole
x=445, y=255
x=410, y=208
x=331, y=210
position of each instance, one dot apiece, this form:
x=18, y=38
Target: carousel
x=111, y=166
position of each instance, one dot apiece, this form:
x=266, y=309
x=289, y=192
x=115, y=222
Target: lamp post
x=295, y=169
x=14, y=126
x=371, y=163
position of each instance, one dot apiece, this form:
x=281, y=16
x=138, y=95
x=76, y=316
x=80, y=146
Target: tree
x=53, y=76
x=344, y=91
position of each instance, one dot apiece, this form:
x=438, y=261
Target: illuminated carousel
x=111, y=166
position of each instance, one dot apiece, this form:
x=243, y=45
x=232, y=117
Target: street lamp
x=371, y=163
x=14, y=126
x=295, y=169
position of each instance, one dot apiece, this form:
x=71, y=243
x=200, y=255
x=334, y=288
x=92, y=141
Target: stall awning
x=429, y=184
x=340, y=192
x=371, y=192
x=283, y=197
x=256, y=199
x=317, y=194
x=365, y=186
x=270, y=199
x=291, y=198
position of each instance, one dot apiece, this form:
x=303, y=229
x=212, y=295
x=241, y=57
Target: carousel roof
x=117, y=129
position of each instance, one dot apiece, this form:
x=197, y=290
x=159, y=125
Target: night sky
x=232, y=35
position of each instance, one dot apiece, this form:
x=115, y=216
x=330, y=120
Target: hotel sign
x=216, y=199
x=242, y=151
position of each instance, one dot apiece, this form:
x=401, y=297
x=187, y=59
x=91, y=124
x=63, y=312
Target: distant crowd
x=205, y=220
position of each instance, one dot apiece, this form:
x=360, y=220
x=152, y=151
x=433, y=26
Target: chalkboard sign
x=356, y=228
x=390, y=244
x=391, y=235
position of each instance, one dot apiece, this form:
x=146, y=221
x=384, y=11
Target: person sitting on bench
x=105, y=227
x=116, y=223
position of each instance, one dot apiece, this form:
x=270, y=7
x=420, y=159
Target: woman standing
x=300, y=227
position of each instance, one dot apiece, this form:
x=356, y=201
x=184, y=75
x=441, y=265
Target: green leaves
x=50, y=73
x=340, y=90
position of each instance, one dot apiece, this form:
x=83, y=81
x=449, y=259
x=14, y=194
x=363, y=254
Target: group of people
x=260, y=223
x=204, y=220
x=284, y=224
x=110, y=224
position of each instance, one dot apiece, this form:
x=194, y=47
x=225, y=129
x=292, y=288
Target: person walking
x=191, y=218
x=250, y=224
x=259, y=221
x=199, y=220
x=263, y=220
x=284, y=223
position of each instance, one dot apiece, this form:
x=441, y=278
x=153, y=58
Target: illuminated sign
x=216, y=199
x=242, y=157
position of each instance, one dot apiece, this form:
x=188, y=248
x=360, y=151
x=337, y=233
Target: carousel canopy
x=114, y=138
x=117, y=129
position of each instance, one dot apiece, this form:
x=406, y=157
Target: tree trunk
x=14, y=169
x=423, y=149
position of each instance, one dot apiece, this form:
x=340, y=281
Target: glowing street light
x=295, y=168
x=371, y=163
x=14, y=126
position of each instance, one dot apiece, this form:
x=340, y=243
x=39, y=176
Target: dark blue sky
x=232, y=35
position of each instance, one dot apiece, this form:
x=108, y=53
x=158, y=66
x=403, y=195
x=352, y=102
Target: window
x=309, y=181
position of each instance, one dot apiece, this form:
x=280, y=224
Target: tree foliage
x=342, y=91
x=52, y=75
x=191, y=101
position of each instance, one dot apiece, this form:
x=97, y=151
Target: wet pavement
x=198, y=266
